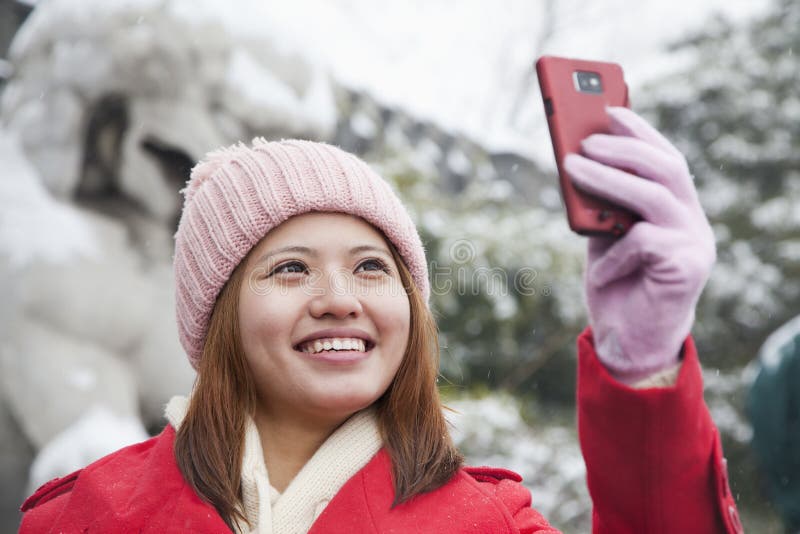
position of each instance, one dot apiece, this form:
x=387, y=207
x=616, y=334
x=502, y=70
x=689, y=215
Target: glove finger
x=628, y=254
x=624, y=121
x=643, y=159
x=651, y=200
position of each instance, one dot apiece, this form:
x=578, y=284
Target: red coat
x=653, y=458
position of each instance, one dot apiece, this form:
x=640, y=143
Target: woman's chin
x=344, y=404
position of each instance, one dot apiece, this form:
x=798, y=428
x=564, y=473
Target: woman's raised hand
x=641, y=289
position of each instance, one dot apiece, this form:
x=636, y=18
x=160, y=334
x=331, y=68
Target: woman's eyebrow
x=368, y=248
x=313, y=252
x=292, y=248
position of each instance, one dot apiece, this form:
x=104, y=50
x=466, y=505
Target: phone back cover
x=572, y=116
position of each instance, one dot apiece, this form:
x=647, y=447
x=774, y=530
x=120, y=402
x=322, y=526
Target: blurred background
x=105, y=106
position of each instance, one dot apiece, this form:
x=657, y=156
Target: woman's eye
x=375, y=265
x=296, y=267
x=292, y=267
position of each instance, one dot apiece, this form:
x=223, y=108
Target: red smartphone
x=575, y=94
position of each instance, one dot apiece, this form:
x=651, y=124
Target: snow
x=98, y=432
x=265, y=97
x=748, y=281
x=257, y=84
x=458, y=162
x=34, y=225
x=82, y=378
x=363, y=125
x=723, y=391
x=779, y=213
x=789, y=250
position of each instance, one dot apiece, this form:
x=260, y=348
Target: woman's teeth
x=337, y=343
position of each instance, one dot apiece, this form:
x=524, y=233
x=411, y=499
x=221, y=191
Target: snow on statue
x=101, y=121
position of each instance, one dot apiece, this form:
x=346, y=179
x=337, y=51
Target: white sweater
x=342, y=455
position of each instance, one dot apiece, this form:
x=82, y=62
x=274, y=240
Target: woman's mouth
x=336, y=350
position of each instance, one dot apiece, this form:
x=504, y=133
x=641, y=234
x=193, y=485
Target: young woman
x=302, y=302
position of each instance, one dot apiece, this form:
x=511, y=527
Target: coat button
x=724, y=475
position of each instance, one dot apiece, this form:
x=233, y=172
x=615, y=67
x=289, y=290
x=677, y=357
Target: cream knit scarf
x=342, y=455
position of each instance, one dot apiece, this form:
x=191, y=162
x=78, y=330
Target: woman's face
x=317, y=283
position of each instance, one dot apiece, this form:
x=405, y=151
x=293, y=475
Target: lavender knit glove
x=641, y=289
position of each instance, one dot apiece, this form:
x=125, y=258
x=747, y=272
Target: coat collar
x=341, y=456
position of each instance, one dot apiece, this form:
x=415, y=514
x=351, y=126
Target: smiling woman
x=304, y=290
x=302, y=302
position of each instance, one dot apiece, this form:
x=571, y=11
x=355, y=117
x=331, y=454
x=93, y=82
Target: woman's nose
x=335, y=294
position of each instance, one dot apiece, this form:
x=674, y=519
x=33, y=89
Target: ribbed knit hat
x=236, y=195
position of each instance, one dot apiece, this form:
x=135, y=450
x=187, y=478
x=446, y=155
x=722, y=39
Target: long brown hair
x=210, y=442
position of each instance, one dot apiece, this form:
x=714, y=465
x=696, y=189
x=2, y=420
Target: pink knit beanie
x=238, y=194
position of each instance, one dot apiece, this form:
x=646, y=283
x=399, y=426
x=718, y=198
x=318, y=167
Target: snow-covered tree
x=735, y=113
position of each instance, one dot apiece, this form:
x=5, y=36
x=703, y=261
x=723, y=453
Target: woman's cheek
x=255, y=320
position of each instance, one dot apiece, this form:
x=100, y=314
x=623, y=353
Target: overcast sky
x=463, y=64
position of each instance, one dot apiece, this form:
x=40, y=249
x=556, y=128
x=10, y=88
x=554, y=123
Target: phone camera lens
x=588, y=82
